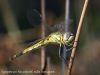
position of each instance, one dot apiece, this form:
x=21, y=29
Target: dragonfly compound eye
x=68, y=37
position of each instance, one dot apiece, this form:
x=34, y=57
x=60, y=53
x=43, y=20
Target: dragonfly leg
x=69, y=44
x=67, y=50
x=68, y=47
x=60, y=51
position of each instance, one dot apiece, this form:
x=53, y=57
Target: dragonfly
x=61, y=38
x=58, y=38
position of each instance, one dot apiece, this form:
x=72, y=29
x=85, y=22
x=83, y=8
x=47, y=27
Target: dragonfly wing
x=34, y=17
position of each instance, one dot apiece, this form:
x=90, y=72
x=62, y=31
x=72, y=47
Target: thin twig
x=76, y=38
x=48, y=65
x=66, y=29
x=67, y=6
x=43, y=33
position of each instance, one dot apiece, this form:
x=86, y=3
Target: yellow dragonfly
x=60, y=38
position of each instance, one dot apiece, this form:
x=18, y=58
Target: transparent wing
x=57, y=27
x=34, y=17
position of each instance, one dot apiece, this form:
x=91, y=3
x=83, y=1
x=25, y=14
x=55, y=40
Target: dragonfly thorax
x=60, y=38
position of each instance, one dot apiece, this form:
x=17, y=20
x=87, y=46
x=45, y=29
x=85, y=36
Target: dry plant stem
x=43, y=33
x=66, y=29
x=48, y=65
x=76, y=38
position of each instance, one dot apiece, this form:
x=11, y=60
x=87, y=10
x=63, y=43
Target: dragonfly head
x=68, y=37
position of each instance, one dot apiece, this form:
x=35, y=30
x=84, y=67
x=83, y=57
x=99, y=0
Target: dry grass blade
x=10, y=21
x=76, y=38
